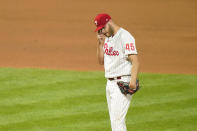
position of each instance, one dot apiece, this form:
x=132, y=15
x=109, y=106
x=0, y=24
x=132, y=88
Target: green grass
x=50, y=100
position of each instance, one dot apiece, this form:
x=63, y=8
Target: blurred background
x=59, y=34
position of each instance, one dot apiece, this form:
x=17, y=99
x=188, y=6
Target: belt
x=115, y=78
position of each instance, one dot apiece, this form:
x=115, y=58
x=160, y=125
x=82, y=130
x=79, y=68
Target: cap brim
x=100, y=27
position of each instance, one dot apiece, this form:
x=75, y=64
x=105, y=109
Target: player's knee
x=117, y=120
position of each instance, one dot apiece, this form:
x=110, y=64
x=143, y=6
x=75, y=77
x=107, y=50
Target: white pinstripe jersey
x=116, y=51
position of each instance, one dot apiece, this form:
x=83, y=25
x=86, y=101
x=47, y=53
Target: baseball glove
x=125, y=89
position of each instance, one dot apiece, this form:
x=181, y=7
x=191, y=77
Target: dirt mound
x=60, y=34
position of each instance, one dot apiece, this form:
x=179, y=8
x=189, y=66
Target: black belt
x=115, y=78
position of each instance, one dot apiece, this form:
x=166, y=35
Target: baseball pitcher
x=116, y=50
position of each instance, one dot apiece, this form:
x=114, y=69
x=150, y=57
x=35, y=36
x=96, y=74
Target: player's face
x=106, y=30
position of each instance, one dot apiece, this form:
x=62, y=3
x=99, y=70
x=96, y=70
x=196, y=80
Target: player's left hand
x=132, y=84
x=126, y=89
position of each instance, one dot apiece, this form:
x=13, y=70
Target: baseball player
x=116, y=49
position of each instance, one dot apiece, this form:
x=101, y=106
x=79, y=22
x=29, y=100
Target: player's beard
x=110, y=31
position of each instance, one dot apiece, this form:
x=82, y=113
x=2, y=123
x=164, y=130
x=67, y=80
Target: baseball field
x=50, y=79
x=54, y=100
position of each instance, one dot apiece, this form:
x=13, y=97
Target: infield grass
x=51, y=100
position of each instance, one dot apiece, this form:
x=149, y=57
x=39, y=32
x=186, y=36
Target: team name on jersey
x=110, y=50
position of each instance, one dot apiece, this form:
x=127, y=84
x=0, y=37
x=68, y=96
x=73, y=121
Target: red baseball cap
x=101, y=20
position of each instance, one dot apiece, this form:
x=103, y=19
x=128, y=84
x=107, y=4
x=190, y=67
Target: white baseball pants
x=118, y=104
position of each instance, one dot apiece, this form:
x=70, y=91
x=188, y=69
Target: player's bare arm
x=100, y=52
x=135, y=70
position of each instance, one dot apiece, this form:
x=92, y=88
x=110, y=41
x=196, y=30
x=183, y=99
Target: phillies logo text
x=110, y=51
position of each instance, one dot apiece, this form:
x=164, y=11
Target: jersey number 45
x=130, y=46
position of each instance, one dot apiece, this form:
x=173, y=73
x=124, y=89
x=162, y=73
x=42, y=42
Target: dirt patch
x=60, y=34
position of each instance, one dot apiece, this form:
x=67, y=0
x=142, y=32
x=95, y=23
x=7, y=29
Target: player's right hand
x=101, y=38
